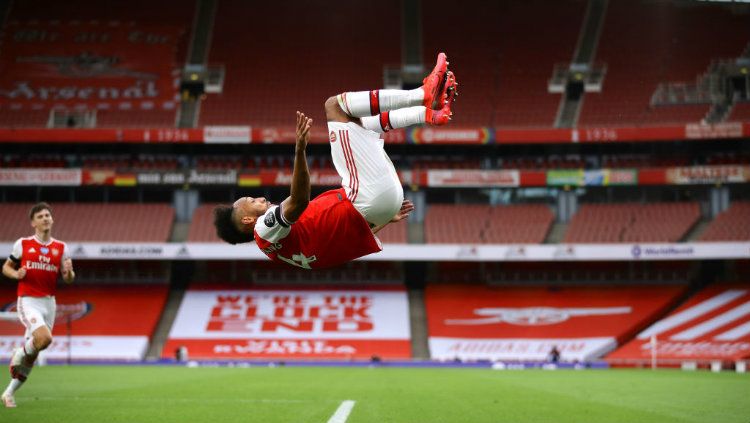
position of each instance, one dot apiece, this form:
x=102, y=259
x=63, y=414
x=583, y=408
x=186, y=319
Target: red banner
x=89, y=65
x=707, y=174
x=526, y=323
x=285, y=135
x=103, y=311
x=292, y=323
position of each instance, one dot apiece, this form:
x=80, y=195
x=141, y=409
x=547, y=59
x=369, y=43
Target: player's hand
x=67, y=269
x=303, y=130
x=406, y=208
x=21, y=273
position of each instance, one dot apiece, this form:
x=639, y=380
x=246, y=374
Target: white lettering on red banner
x=45, y=177
x=235, y=324
x=519, y=349
x=227, y=134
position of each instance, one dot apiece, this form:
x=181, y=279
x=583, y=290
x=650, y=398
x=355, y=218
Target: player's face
x=251, y=206
x=42, y=220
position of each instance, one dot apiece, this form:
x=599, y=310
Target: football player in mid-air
x=340, y=225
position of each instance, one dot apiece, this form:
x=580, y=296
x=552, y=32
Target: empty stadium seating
x=684, y=38
x=740, y=112
x=503, y=81
x=731, y=225
x=632, y=222
x=94, y=222
x=263, y=87
x=156, y=118
x=146, y=14
x=473, y=224
x=201, y=226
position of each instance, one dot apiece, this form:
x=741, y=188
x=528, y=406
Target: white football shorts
x=35, y=312
x=367, y=173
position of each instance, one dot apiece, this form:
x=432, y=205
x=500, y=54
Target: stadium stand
x=594, y=273
x=145, y=14
x=262, y=87
x=201, y=226
x=24, y=118
x=740, y=112
x=95, y=222
x=632, y=222
x=731, y=225
x=504, y=82
x=473, y=223
x=155, y=118
x=634, y=33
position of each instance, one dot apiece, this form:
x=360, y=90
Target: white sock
x=29, y=349
x=13, y=386
x=371, y=103
x=400, y=118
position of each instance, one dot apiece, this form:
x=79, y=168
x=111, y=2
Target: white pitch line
x=342, y=413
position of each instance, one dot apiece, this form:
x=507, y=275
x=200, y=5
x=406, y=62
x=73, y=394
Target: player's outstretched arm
x=406, y=208
x=297, y=202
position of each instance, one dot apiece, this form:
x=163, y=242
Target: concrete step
x=556, y=233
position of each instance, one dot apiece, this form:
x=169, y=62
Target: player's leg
x=382, y=110
x=371, y=103
x=37, y=315
x=367, y=174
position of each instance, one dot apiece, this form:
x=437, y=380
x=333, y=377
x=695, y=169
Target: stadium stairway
x=180, y=232
x=418, y=321
x=161, y=334
x=696, y=231
x=556, y=233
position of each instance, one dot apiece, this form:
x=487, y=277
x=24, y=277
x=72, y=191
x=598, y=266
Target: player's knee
x=334, y=113
x=41, y=342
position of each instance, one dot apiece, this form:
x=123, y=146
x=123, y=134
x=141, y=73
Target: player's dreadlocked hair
x=225, y=228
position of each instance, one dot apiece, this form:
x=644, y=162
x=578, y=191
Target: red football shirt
x=329, y=232
x=43, y=262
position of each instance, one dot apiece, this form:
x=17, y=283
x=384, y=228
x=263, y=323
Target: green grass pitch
x=135, y=394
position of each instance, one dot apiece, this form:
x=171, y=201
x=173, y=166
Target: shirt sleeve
x=16, y=252
x=66, y=252
x=272, y=226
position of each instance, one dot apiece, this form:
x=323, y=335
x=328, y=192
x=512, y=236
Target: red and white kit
x=329, y=232
x=367, y=173
x=335, y=226
x=36, y=291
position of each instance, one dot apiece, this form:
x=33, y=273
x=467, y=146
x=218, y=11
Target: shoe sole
x=441, y=67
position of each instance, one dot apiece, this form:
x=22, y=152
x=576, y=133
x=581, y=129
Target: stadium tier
x=714, y=324
x=503, y=82
x=740, y=112
x=731, y=225
x=446, y=223
x=95, y=222
x=545, y=273
x=263, y=87
x=113, y=65
x=634, y=34
x=631, y=222
x=105, y=322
